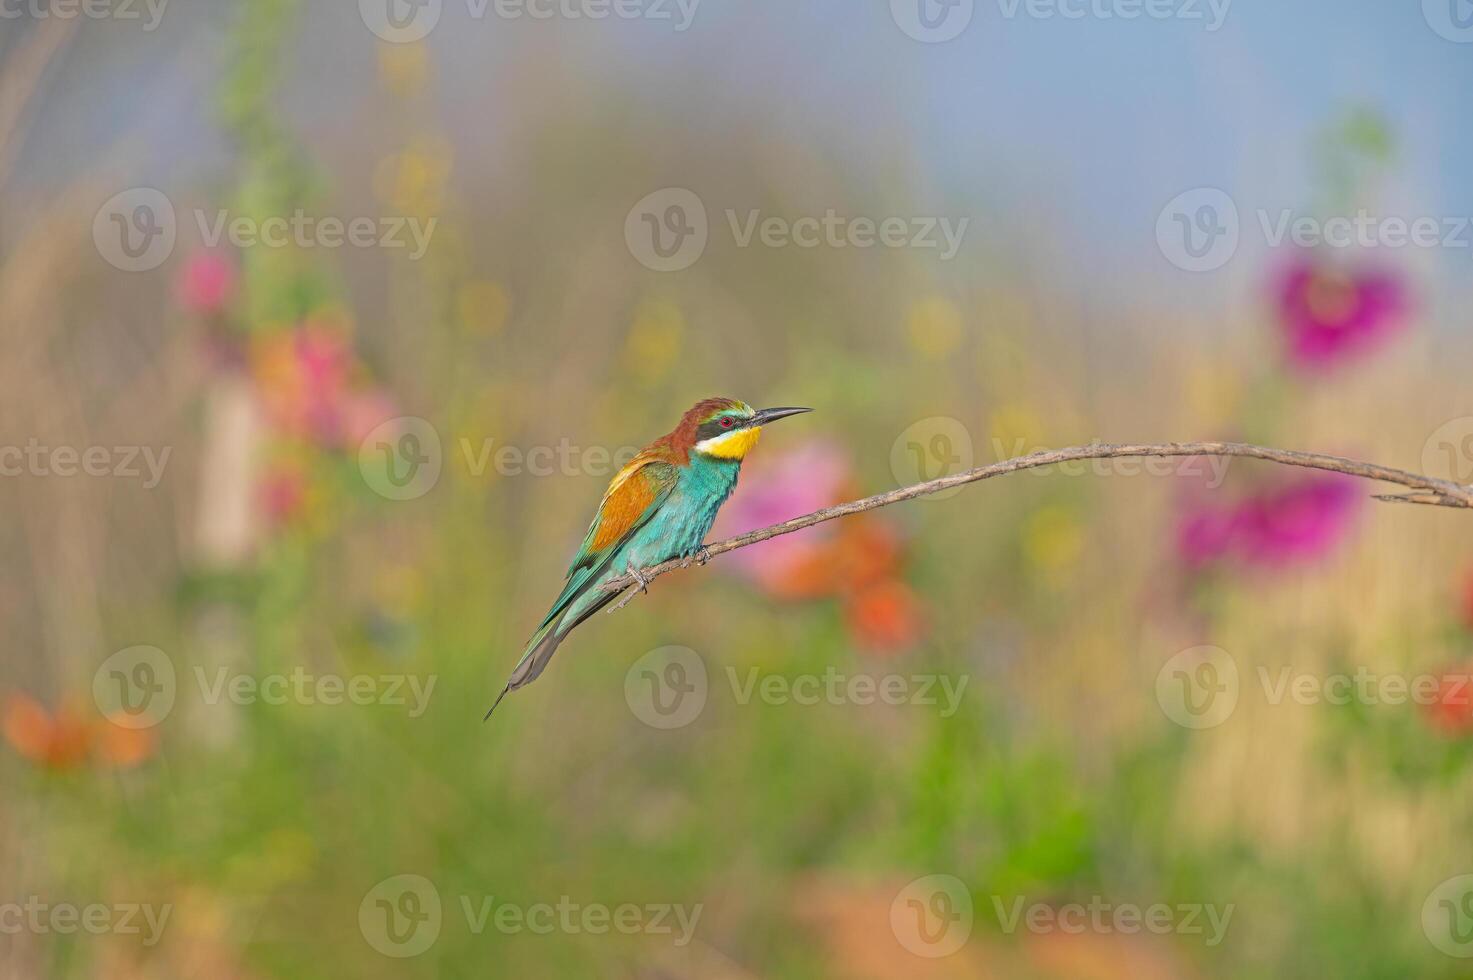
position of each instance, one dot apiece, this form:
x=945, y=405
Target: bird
x=657, y=507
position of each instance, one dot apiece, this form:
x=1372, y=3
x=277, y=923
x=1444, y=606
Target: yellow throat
x=733, y=445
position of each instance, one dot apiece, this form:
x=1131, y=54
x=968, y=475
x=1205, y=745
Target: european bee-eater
x=658, y=507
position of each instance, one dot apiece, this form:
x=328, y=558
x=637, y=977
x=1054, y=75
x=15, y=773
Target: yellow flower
x=1015, y=430
x=1052, y=540
x=935, y=327
x=482, y=307
x=654, y=340
x=403, y=68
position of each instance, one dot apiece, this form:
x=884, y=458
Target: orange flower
x=1452, y=710
x=885, y=617
x=59, y=741
x=68, y=738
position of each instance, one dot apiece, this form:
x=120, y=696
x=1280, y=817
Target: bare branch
x=1428, y=490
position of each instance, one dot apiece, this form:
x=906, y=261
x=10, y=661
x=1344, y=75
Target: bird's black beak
x=766, y=415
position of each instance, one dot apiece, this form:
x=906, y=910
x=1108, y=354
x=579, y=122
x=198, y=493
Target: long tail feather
x=544, y=644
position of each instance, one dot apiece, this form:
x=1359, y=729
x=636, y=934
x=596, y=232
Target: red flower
x=1451, y=712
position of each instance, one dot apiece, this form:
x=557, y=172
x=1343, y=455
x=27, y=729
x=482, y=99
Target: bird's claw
x=644, y=583
x=700, y=556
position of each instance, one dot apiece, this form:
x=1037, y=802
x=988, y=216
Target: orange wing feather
x=627, y=502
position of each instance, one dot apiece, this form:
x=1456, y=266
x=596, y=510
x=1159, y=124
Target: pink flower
x=787, y=485
x=1294, y=523
x=308, y=381
x=1204, y=536
x=1300, y=522
x=207, y=284
x=1331, y=315
x=283, y=493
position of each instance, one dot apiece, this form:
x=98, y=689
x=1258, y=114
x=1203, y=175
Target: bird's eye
x=727, y=422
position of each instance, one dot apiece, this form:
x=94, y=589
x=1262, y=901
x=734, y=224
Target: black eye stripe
x=724, y=425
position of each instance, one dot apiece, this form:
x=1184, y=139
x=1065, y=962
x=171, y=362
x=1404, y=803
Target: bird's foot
x=644, y=586
x=703, y=555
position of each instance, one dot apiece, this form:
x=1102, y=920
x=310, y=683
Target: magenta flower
x=207, y=284
x=1291, y=524
x=785, y=486
x=1299, y=522
x=1331, y=315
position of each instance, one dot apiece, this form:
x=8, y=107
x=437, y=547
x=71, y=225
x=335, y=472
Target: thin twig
x=1428, y=490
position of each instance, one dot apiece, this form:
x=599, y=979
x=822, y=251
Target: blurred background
x=325, y=325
